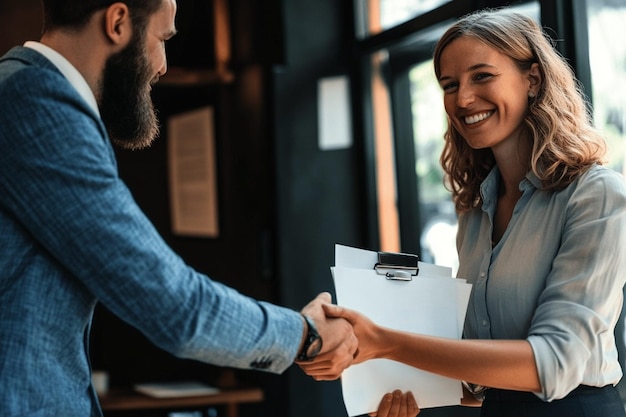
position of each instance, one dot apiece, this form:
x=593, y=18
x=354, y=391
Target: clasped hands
x=350, y=338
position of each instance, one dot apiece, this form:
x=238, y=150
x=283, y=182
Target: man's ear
x=535, y=78
x=117, y=24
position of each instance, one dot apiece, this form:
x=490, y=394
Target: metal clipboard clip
x=397, y=266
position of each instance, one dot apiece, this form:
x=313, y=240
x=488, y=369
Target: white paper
x=333, y=109
x=432, y=303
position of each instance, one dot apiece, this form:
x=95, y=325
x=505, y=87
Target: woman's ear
x=117, y=24
x=535, y=80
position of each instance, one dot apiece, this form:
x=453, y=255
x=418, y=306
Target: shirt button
x=482, y=275
x=485, y=323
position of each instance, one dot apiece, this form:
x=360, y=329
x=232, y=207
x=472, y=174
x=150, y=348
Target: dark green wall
x=319, y=193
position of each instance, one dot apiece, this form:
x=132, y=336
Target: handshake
x=348, y=338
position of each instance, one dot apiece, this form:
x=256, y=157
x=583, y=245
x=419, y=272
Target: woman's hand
x=397, y=404
x=369, y=335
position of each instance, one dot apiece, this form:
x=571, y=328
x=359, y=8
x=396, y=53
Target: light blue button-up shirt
x=554, y=279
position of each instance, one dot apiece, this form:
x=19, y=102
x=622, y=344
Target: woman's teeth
x=470, y=120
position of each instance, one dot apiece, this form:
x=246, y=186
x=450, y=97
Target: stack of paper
x=432, y=303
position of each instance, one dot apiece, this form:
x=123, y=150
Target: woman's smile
x=473, y=119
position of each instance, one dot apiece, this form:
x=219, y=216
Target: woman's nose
x=465, y=96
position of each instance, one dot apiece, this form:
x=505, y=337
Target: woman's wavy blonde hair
x=565, y=144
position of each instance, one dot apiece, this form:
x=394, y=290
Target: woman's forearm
x=505, y=364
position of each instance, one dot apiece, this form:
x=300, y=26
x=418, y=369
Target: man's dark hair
x=76, y=13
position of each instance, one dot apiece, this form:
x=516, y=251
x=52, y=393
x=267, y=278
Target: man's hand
x=396, y=404
x=339, y=342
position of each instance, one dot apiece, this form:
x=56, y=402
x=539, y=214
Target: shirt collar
x=534, y=181
x=489, y=186
x=68, y=70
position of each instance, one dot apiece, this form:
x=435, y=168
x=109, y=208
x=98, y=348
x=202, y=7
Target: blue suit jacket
x=71, y=235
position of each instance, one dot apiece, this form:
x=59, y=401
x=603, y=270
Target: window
x=607, y=57
x=437, y=215
x=374, y=16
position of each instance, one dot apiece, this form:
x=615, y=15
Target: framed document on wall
x=193, y=173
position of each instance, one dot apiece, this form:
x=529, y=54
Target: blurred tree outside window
x=607, y=58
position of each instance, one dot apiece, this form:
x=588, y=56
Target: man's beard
x=125, y=102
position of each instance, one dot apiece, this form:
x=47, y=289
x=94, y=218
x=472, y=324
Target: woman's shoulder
x=599, y=183
x=600, y=174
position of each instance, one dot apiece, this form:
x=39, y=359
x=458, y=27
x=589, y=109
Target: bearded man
x=71, y=234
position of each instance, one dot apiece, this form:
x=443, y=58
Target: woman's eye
x=482, y=76
x=449, y=86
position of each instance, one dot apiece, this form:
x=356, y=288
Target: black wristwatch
x=312, y=342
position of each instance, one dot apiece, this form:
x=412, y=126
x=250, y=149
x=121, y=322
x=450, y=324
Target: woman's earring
x=531, y=94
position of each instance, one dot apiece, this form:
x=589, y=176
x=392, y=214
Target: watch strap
x=312, y=336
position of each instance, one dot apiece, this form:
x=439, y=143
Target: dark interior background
x=283, y=203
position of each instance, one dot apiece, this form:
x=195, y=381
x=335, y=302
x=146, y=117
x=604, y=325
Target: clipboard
x=397, y=266
x=397, y=290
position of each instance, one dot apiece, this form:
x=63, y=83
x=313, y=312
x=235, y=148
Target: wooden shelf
x=124, y=400
x=218, y=75
x=181, y=77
